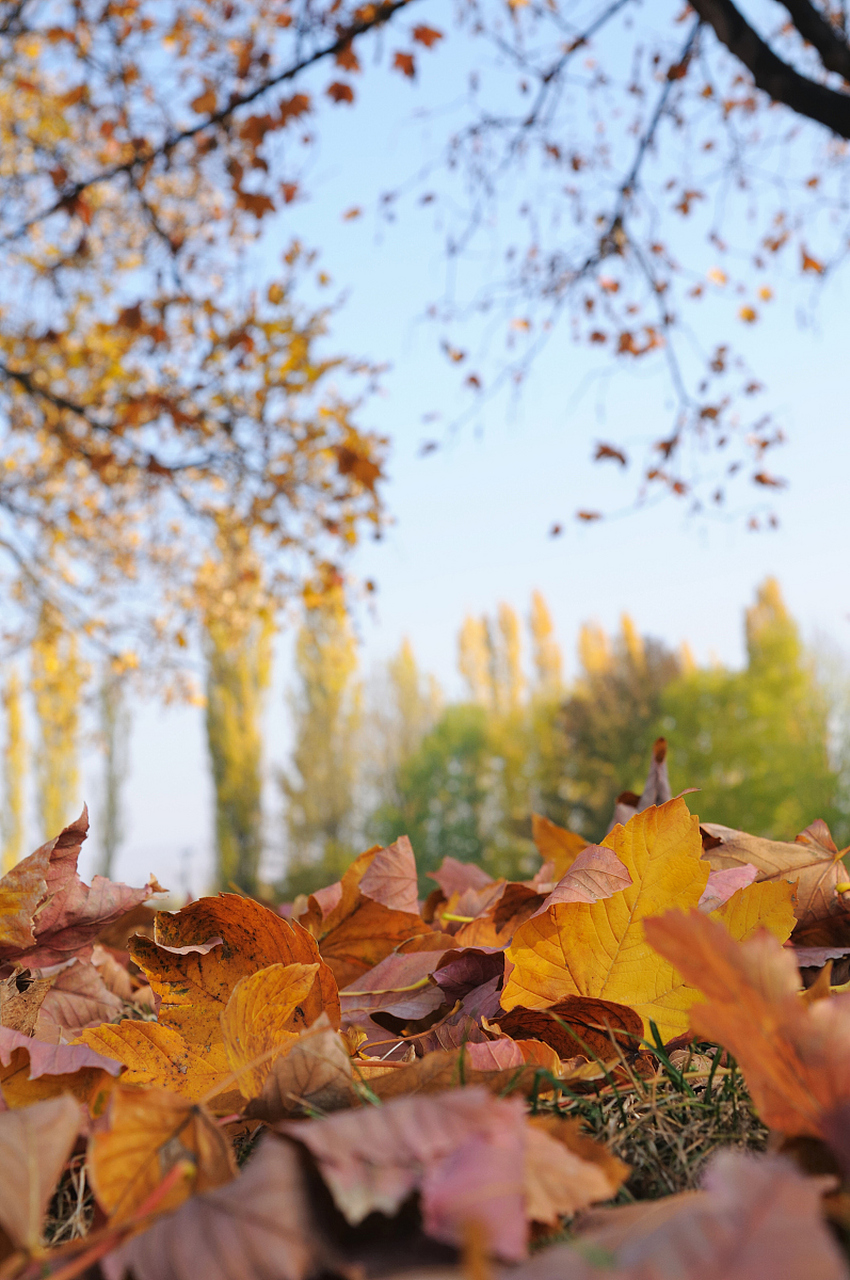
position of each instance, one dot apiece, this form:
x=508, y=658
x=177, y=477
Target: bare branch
x=775, y=77
x=833, y=49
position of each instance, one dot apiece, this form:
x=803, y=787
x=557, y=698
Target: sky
x=471, y=519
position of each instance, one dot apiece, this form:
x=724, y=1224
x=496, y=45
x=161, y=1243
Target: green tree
x=610, y=720
x=237, y=644
x=319, y=791
x=403, y=704
x=14, y=766
x=115, y=744
x=756, y=741
x=57, y=678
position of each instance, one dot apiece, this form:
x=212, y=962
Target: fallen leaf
x=504, y=1053
x=259, y=1225
x=158, y=1056
x=314, y=1075
x=76, y=997
x=462, y=1151
x=558, y=1182
x=596, y=873
x=390, y=877
x=194, y=982
x=755, y=1217
x=31, y=1071
x=149, y=1131
x=466, y=968
x=815, y=868
x=445, y=1069
x=454, y=877
x=556, y=844
x=400, y=985
x=35, y=1142
x=722, y=884
x=795, y=1057
x=264, y=1016
x=21, y=998
x=578, y=1025
x=21, y=890
x=599, y=950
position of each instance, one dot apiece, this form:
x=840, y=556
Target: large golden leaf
x=599, y=949
x=150, y=1130
x=159, y=1057
x=195, y=985
x=556, y=844
x=264, y=1017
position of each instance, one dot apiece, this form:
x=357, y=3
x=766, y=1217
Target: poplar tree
x=115, y=745
x=319, y=789
x=14, y=767
x=237, y=647
x=58, y=677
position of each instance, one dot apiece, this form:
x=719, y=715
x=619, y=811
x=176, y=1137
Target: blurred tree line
x=378, y=758
x=384, y=754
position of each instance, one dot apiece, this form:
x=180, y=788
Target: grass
x=667, y=1123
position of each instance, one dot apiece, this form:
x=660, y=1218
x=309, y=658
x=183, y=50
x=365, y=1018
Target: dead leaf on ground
x=795, y=1057
x=76, y=998
x=445, y=1069
x=755, y=1217
x=390, y=878
x=149, y=1131
x=400, y=985
x=35, y=1142
x=315, y=1075
x=264, y=1016
x=596, y=873
x=578, y=1025
x=812, y=863
x=599, y=949
x=31, y=1071
x=21, y=998
x=454, y=876
x=462, y=1151
x=558, y=1181
x=259, y=1225
x=556, y=844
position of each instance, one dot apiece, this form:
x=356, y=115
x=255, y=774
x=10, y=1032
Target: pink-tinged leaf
x=596, y=873
x=328, y=898
x=462, y=1150
x=468, y=967
x=756, y=1217
x=453, y=876
x=464, y=1023
x=390, y=878
x=722, y=884
x=70, y=914
x=78, y=998
x=816, y=957
x=21, y=890
x=401, y=985
x=53, y=1059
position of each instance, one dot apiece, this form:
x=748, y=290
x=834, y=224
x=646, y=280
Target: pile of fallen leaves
x=360, y=1084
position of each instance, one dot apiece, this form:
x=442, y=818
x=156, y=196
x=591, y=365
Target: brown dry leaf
x=578, y=1025
x=795, y=1057
x=571, y=1135
x=813, y=864
x=159, y=1057
x=68, y=915
x=596, y=873
x=556, y=844
x=195, y=982
x=502, y=1053
x=390, y=877
x=599, y=949
x=31, y=1071
x=558, y=1182
x=441, y=1070
x=463, y=1151
x=260, y=1225
x=264, y=1016
x=21, y=890
x=456, y=877
x=401, y=985
x=76, y=998
x=356, y=932
x=315, y=1075
x=21, y=998
x=150, y=1130
x=756, y=1217
x=515, y=904
x=35, y=1142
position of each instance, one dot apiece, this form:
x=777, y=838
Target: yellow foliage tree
x=14, y=767
x=58, y=676
x=237, y=644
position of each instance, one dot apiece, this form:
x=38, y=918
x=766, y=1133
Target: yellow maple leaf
x=150, y=1130
x=599, y=949
x=194, y=987
x=159, y=1056
x=266, y=1013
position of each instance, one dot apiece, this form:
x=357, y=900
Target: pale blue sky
x=471, y=519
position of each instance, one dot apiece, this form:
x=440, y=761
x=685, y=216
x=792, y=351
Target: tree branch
x=834, y=52
x=773, y=76
x=381, y=14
